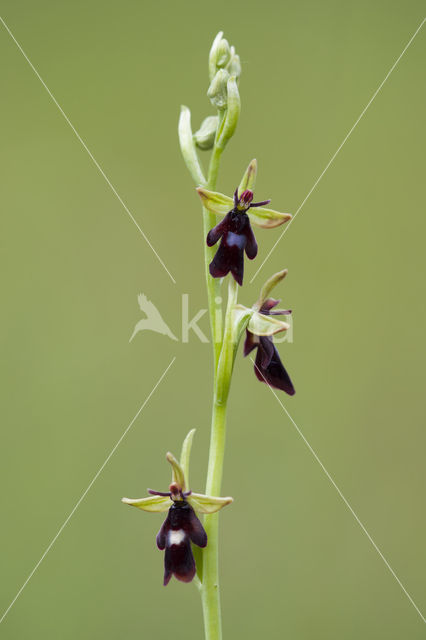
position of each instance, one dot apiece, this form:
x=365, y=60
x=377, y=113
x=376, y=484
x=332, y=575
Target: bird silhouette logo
x=153, y=320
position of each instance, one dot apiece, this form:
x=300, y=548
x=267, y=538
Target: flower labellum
x=236, y=237
x=180, y=528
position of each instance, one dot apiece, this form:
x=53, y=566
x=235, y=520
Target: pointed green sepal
x=178, y=476
x=268, y=286
x=187, y=146
x=185, y=454
x=155, y=504
x=249, y=178
x=207, y=504
x=261, y=325
x=267, y=218
x=215, y=202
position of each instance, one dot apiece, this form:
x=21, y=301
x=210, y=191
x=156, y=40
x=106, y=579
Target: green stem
x=210, y=572
x=213, y=284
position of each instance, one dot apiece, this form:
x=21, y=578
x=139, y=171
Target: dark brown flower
x=180, y=528
x=236, y=237
x=268, y=366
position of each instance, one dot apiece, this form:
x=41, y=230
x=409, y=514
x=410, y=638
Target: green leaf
x=155, y=504
x=267, y=218
x=261, y=325
x=178, y=475
x=249, y=178
x=185, y=454
x=215, y=202
x=207, y=504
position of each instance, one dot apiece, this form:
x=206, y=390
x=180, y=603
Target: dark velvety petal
x=269, y=304
x=265, y=352
x=251, y=246
x=229, y=257
x=217, y=231
x=280, y=312
x=159, y=493
x=274, y=374
x=167, y=569
x=267, y=308
x=250, y=343
x=220, y=265
x=197, y=534
x=179, y=561
x=162, y=534
x=237, y=269
x=259, y=204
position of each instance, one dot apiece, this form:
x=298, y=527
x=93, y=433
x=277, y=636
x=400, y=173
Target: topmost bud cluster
x=215, y=130
x=223, y=63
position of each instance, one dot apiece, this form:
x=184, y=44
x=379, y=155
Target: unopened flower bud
x=213, y=56
x=234, y=64
x=223, y=54
x=217, y=92
x=232, y=113
x=204, y=137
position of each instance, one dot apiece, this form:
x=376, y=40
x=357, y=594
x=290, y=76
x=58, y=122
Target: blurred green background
x=294, y=562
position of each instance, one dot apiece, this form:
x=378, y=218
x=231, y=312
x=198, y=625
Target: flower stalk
x=210, y=594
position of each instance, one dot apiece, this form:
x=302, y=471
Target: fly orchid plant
x=191, y=548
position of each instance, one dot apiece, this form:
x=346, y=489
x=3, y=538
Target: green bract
x=187, y=146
